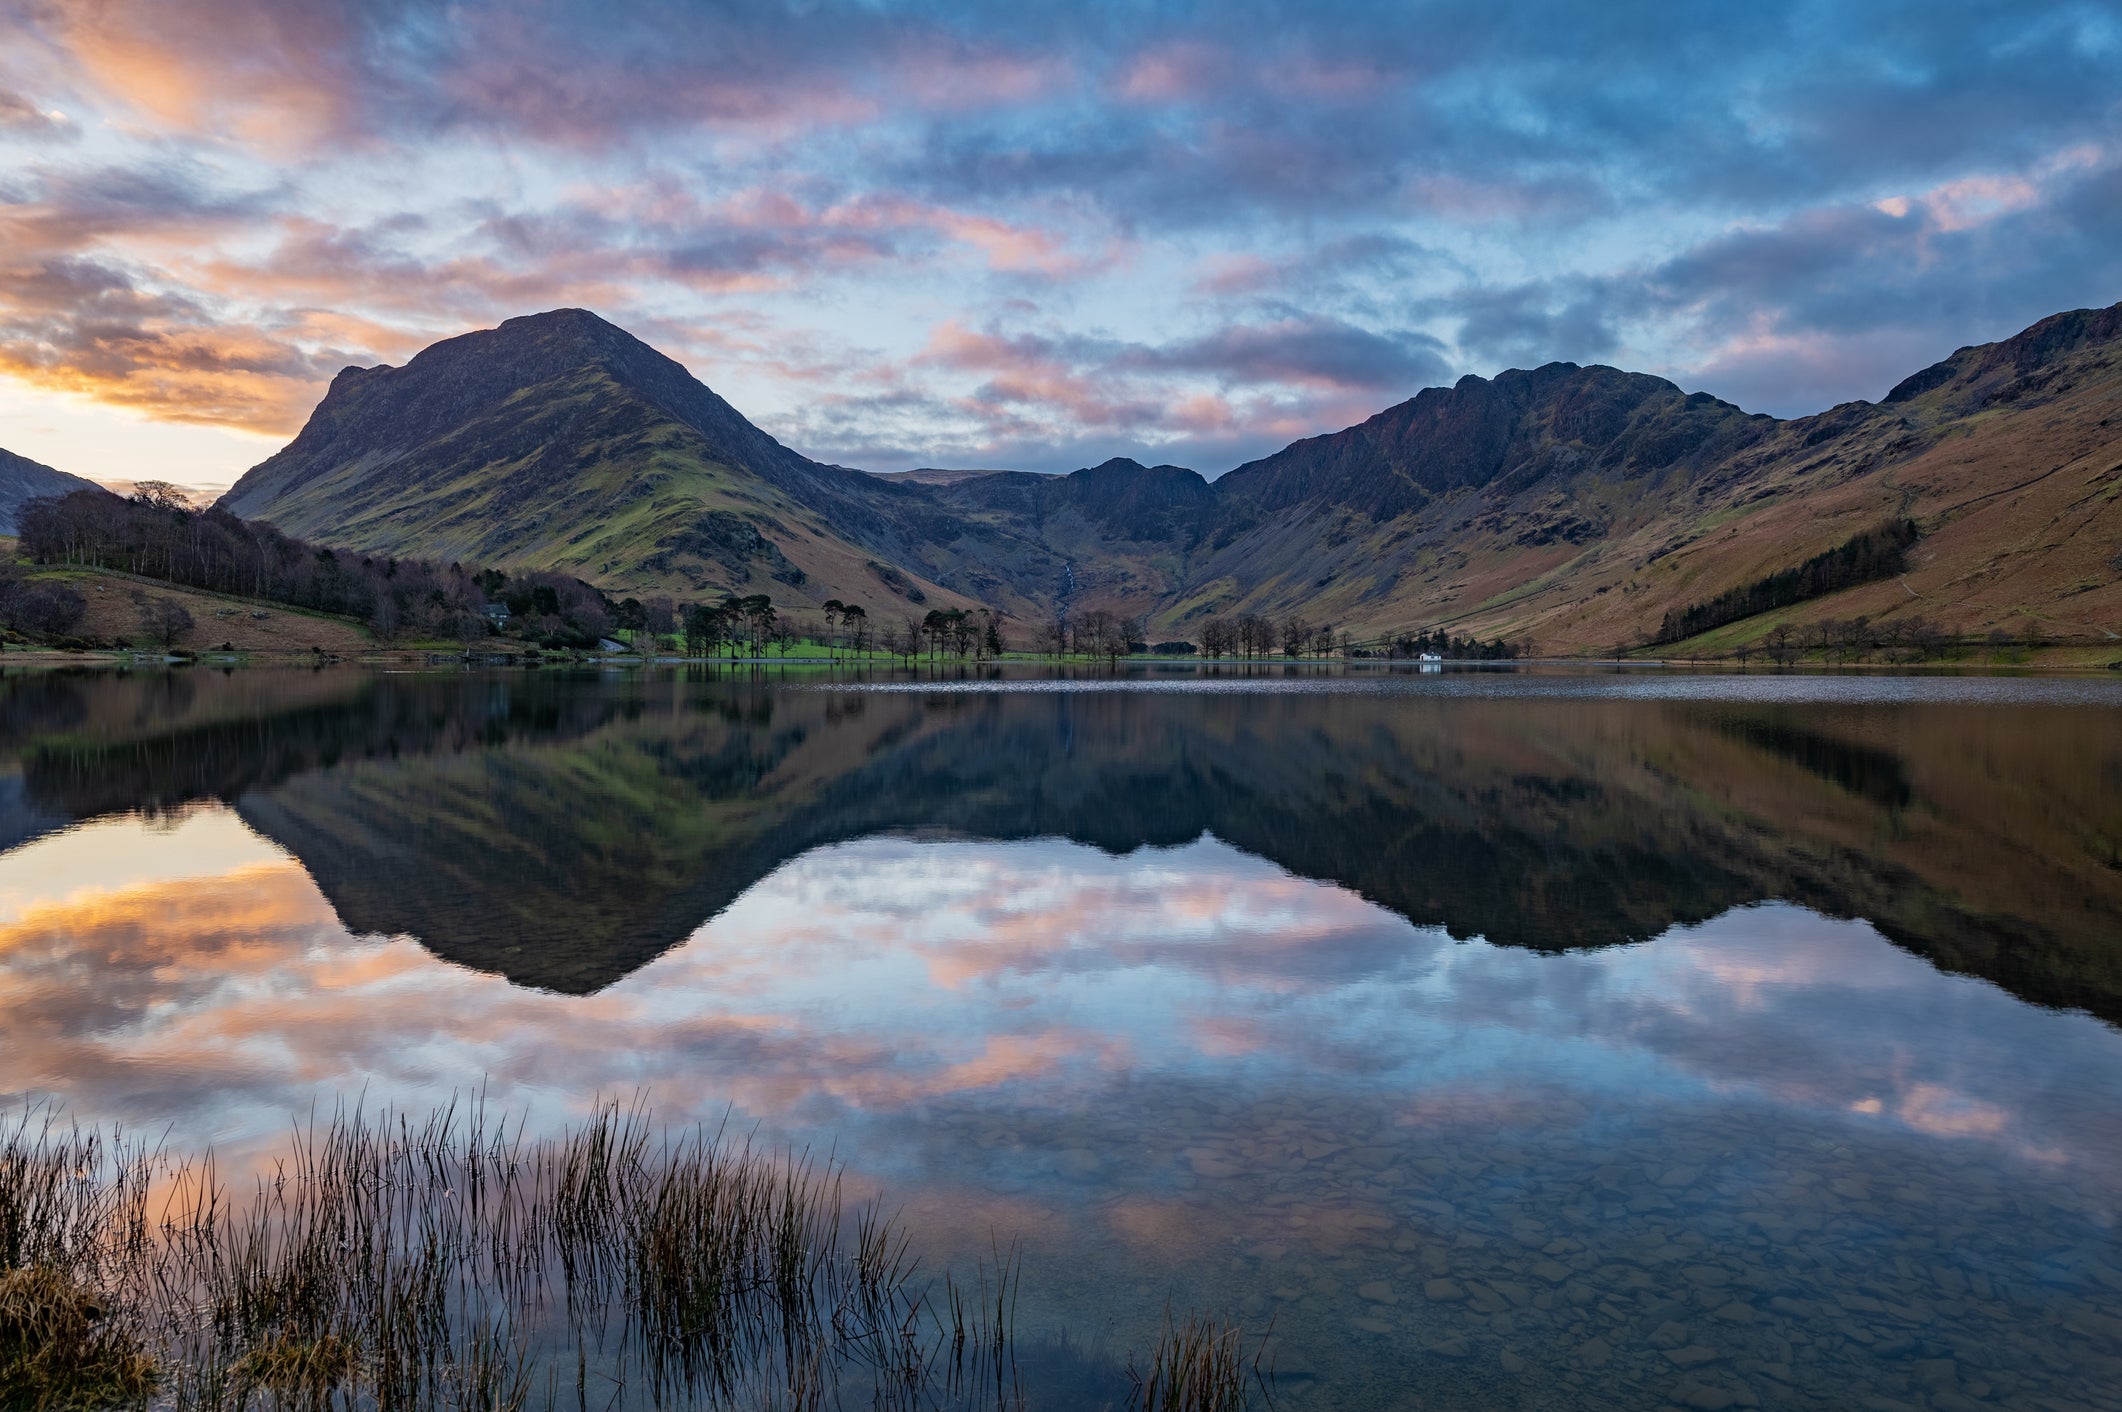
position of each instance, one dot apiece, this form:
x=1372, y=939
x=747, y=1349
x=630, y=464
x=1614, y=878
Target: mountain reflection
x=868, y=982
x=563, y=831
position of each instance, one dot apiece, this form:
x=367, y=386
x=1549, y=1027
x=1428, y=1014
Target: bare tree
x=165, y=620
x=1218, y=639
x=161, y=495
x=1058, y=631
x=659, y=618
x=1256, y=635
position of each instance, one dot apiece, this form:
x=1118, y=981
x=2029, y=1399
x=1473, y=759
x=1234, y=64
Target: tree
x=855, y=619
x=659, y=617
x=165, y=620
x=1093, y=627
x=1255, y=635
x=704, y=627
x=160, y=495
x=832, y=609
x=994, y=644
x=755, y=616
x=1296, y=637
x=40, y=609
x=1218, y=639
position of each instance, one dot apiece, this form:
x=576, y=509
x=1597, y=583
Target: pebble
x=1694, y=1355
x=1711, y=1397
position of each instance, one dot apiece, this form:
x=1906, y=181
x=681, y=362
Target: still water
x=1497, y=1040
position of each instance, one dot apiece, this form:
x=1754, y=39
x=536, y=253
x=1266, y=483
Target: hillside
x=559, y=441
x=1574, y=507
x=22, y=479
x=1567, y=507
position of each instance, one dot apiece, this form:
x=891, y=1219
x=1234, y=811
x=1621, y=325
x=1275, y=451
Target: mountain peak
x=23, y=480
x=373, y=417
x=1519, y=426
x=1983, y=372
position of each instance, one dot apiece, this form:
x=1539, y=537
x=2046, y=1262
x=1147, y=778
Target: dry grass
x=61, y=1349
x=452, y=1264
x=1199, y=1365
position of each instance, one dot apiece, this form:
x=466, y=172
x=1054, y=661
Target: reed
x=1200, y=1365
x=451, y=1263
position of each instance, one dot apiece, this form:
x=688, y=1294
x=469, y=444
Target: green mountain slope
x=559, y=441
x=1568, y=507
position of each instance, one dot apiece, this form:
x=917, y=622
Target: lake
x=1485, y=1039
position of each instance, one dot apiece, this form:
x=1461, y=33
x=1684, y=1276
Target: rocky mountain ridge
x=23, y=480
x=1567, y=506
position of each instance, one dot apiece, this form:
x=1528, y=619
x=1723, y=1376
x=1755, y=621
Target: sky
x=1031, y=236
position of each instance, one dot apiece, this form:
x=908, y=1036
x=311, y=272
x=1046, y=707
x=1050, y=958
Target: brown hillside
x=2009, y=456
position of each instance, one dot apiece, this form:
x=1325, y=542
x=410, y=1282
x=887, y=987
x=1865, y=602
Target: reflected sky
x=204, y=982
x=1187, y=1074
x=1748, y=1078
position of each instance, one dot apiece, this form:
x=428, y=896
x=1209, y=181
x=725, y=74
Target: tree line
x=156, y=533
x=1869, y=555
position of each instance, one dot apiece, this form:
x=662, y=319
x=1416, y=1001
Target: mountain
x=1573, y=507
x=560, y=441
x=939, y=475
x=1566, y=507
x=23, y=480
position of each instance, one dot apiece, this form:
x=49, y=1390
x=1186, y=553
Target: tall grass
x=450, y=1264
x=1199, y=1365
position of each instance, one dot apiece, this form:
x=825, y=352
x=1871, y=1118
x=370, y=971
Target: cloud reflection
x=862, y=989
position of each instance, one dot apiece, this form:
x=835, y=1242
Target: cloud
x=1186, y=232
x=1020, y=984
x=1299, y=351
x=1054, y=401
x=77, y=315
x=20, y=116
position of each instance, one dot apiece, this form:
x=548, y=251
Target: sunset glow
x=936, y=234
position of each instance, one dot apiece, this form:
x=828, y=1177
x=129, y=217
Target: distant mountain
x=1569, y=507
x=23, y=480
x=1573, y=507
x=938, y=475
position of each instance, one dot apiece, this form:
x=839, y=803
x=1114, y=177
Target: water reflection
x=564, y=832
x=1176, y=991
